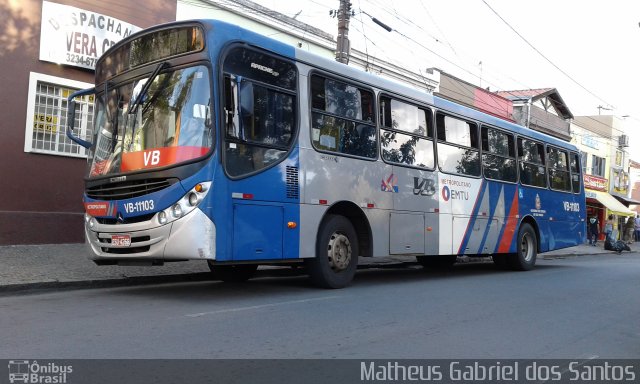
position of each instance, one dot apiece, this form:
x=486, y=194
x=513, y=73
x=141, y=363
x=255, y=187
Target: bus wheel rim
x=526, y=247
x=339, y=252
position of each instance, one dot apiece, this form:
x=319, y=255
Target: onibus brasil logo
x=25, y=371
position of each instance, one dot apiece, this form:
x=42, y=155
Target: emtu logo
x=446, y=193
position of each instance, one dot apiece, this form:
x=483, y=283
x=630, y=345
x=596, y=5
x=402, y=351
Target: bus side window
x=558, y=164
x=342, y=118
x=498, y=155
x=406, y=133
x=458, y=145
x=230, y=102
x=260, y=110
x=531, y=158
x=575, y=173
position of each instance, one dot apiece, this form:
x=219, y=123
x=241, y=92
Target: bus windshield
x=144, y=126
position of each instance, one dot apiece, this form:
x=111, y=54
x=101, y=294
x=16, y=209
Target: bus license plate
x=121, y=240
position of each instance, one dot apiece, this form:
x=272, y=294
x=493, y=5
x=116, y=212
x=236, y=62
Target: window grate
x=50, y=120
x=293, y=187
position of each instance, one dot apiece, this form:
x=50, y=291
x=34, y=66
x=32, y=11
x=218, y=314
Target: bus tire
x=439, y=262
x=336, y=258
x=233, y=273
x=525, y=258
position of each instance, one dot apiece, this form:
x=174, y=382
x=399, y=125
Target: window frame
x=514, y=148
x=598, y=163
x=226, y=139
x=86, y=130
x=429, y=114
x=544, y=151
x=580, y=172
x=373, y=123
x=438, y=141
x=550, y=168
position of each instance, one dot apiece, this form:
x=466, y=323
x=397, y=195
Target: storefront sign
x=74, y=36
x=590, y=141
x=595, y=183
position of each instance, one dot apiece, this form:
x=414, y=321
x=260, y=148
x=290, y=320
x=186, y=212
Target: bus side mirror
x=71, y=116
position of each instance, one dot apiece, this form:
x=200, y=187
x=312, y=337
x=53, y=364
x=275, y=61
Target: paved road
x=577, y=307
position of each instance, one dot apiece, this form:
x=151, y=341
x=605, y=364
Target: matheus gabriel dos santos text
x=597, y=371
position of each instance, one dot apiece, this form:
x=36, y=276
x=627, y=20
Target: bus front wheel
x=525, y=258
x=233, y=273
x=336, y=258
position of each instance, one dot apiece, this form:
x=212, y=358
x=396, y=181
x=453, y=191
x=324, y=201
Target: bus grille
x=128, y=220
x=128, y=189
x=293, y=189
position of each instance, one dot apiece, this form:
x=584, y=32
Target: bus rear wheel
x=233, y=273
x=525, y=258
x=336, y=258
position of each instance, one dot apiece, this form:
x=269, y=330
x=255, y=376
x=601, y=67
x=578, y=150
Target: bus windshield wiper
x=145, y=88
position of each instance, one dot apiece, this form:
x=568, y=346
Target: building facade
x=605, y=163
x=460, y=91
x=542, y=110
x=47, y=50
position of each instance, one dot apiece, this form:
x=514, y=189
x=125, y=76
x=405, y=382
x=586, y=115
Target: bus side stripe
x=510, y=226
x=472, y=219
x=492, y=234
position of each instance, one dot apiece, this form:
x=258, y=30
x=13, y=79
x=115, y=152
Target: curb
x=104, y=283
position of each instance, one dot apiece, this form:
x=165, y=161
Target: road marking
x=229, y=310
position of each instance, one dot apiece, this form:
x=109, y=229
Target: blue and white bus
x=215, y=143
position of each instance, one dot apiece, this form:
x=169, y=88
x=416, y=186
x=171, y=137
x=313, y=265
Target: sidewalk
x=24, y=267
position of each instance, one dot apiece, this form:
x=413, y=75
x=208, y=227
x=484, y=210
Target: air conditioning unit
x=623, y=141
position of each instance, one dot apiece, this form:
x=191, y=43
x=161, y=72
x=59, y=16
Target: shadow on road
x=294, y=281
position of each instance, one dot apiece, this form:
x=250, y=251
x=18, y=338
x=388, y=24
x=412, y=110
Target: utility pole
x=343, y=45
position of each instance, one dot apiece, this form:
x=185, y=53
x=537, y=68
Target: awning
x=626, y=200
x=611, y=203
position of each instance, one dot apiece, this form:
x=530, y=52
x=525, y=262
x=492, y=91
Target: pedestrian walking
x=608, y=227
x=629, y=228
x=594, y=230
x=637, y=228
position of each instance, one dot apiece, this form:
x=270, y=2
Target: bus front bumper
x=192, y=237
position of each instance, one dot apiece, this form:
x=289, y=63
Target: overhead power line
x=543, y=56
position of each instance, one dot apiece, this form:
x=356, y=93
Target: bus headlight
x=193, y=199
x=185, y=205
x=177, y=211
